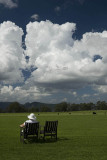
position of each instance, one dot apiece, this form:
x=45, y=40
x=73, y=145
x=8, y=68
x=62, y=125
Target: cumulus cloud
x=21, y=94
x=11, y=53
x=35, y=16
x=101, y=88
x=9, y=3
x=45, y=38
x=62, y=62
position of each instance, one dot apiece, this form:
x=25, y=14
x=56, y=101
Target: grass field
x=81, y=136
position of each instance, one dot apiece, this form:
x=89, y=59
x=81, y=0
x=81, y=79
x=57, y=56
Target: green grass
x=81, y=136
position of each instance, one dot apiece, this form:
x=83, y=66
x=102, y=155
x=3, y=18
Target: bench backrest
x=51, y=126
x=31, y=128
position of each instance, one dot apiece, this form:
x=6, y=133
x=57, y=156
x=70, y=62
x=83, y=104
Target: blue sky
x=53, y=50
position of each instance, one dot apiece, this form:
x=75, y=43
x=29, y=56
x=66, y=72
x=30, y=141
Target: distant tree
x=69, y=107
x=1, y=110
x=75, y=107
x=101, y=105
x=45, y=109
x=15, y=107
x=33, y=109
x=86, y=106
x=61, y=107
x=98, y=105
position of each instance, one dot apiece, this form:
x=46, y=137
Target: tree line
x=16, y=107
x=64, y=107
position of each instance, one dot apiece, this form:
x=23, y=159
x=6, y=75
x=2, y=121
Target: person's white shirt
x=30, y=121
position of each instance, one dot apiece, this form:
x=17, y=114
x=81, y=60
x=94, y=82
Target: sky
x=53, y=51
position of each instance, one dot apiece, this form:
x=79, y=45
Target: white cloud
x=21, y=94
x=9, y=3
x=62, y=61
x=74, y=93
x=35, y=16
x=46, y=38
x=11, y=53
x=86, y=95
x=101, y=88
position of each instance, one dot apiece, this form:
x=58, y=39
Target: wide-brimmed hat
x=32, y=116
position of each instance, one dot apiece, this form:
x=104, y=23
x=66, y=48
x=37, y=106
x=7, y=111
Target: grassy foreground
x=81, y=136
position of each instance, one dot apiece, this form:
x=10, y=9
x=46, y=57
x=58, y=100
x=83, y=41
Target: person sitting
x=32, y=119
x=26, y=129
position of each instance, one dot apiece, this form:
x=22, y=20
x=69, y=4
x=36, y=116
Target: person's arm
x=22, y=125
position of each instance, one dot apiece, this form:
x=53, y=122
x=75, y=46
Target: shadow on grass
x=47, y=140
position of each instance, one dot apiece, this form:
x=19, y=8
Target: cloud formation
x=64, y=65
x=63, y=62
x=11, y=53
x=9, y=3
x=35, y=16
x=21, y=94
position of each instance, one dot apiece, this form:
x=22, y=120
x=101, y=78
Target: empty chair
x=50, y=129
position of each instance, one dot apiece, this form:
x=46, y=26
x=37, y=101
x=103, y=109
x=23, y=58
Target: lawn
x=81, y=136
